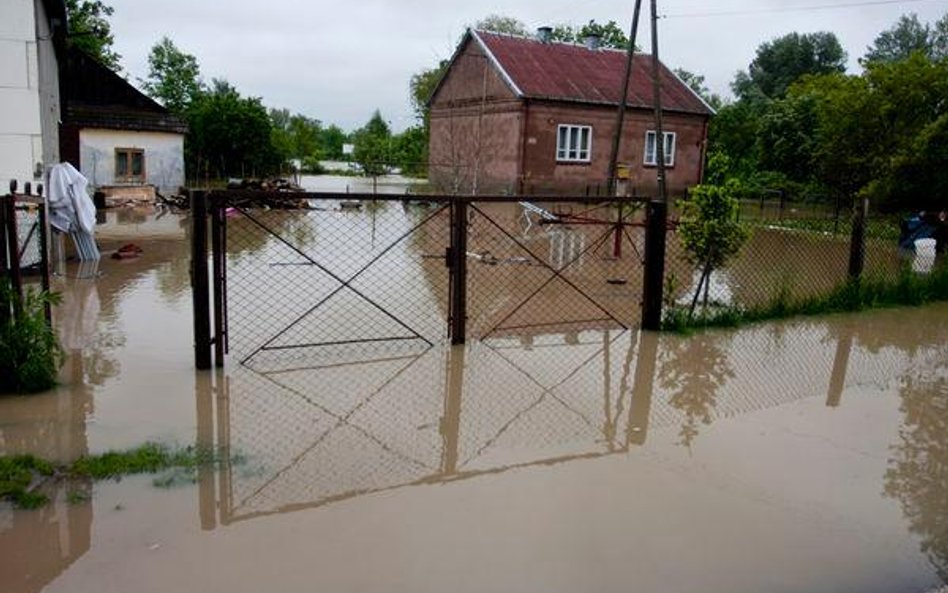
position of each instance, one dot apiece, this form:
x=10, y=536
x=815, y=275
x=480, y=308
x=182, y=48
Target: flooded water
x=810, y=455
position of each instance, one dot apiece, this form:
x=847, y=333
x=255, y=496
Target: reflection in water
x=695, y=370
x=918, y=471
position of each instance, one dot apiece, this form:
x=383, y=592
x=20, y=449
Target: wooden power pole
x=620, y=113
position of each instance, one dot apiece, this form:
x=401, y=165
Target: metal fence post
x=13, y=250
x=654, y=276
x=857, y=242
x=199, y=285
x=217, y=275
x=457, y=264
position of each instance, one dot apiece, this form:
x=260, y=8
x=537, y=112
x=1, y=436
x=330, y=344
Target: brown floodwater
x=808, y=455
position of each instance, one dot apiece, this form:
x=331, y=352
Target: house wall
x=29, y=95
x=476, y=127
x=164, y=156
x=543, y=174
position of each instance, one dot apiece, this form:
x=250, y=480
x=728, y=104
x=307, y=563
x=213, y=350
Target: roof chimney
x=592, y=41
x=544, y=34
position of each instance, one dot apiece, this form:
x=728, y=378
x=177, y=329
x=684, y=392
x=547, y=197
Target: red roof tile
x=568, y=72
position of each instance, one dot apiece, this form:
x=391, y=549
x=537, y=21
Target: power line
x=790, y=8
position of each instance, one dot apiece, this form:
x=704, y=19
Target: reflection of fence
x=307, y=437
x=23, y=241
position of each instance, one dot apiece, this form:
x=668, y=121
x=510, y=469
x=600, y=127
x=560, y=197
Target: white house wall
x=164, y=156
x=23, y=105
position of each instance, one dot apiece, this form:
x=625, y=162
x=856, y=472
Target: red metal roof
x=568, y=72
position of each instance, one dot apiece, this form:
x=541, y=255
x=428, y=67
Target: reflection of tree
x=694, y=369
x=918, y=470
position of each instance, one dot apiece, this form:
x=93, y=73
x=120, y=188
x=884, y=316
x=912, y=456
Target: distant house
x=524, y=115
x=32, y=34
x=116, y=136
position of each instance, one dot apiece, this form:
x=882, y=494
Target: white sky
x=338, y=61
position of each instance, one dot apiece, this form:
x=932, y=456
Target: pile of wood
x=272, y=184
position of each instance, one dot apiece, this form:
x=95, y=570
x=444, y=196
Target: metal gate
x=304, y=278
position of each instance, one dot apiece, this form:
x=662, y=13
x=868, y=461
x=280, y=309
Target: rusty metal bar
x=199, y=289
x=217, y=280
x=857, y=241
x=235, y=195
x=654, y=275
x=13, y=252
x=44, y=260
x=458, y=272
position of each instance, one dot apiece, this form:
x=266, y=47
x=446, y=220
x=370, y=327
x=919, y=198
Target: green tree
x=710, y=231
x=89, y=30
x=502, y=24
x=174, y=77
x=908, y=35
x=421, y=86
x=786, y=137
x=410, y=151
x=696, y=83
x=331, y=139
x=229, y=135
x=939, y=40
x=782, y=61
x=373, y=146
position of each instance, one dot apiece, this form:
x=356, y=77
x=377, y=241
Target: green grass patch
x=907, y=288
x=18, y=476
x=21, y=476
x=30, y=354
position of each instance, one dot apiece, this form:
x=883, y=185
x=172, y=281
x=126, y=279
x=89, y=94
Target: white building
x=116, y=136
x=31, y=33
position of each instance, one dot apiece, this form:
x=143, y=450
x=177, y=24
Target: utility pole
x=620, y=114
x=657, y=98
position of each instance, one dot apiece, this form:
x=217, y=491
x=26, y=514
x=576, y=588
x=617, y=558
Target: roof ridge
x=577, y=44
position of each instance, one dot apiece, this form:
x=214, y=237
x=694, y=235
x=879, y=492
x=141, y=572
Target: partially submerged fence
x=297, y=275
x=24, y=249
x=292, y=277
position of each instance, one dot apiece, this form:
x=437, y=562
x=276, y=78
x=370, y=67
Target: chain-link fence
x=792, y=253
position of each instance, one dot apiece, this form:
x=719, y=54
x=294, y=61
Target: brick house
x=522, y=115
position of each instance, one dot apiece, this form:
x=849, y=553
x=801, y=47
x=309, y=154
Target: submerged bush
x=30, y=354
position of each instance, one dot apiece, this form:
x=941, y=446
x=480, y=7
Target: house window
x=669, y=149
x=573, y=143
x=129, y=164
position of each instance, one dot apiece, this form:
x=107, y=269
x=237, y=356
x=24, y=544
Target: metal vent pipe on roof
x=544, y=34
x=592, y=41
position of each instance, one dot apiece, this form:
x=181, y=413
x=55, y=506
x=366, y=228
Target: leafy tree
x=939, y=39
x=422, y=86
x=786, y=137
x=89, y=30
x=174, y=77
x=502, y=24
x=610, y=34
x=331, y=140
x=710, y=231
x=696, y=83
x=410, y=151
x=229, y=135
x=784, y=60
x=373, y=145
x=908, y=35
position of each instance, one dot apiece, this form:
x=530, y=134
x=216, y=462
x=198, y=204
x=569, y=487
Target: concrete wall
x=164, y=156
x=29, y=93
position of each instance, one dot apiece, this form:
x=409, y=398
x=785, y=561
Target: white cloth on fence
x=71, y=210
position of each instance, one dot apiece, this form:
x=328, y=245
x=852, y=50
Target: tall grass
x=30, y=354
x=907, y=288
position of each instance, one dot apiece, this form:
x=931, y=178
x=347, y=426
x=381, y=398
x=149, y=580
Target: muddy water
x=799, y=456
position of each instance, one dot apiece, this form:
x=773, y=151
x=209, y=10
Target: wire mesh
x=791, y=254
x=338, y=274
x=536, y=267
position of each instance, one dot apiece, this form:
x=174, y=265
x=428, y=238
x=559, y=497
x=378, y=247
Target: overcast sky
x=339, y=60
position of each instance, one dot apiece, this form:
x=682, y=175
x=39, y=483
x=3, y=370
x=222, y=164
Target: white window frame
x=671, y=141
x=570, y=145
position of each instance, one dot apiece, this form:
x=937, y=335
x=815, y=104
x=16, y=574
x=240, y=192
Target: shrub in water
x=30, y=354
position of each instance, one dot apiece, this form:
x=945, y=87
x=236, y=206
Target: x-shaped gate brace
x=343, y=284
x=557, y=273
